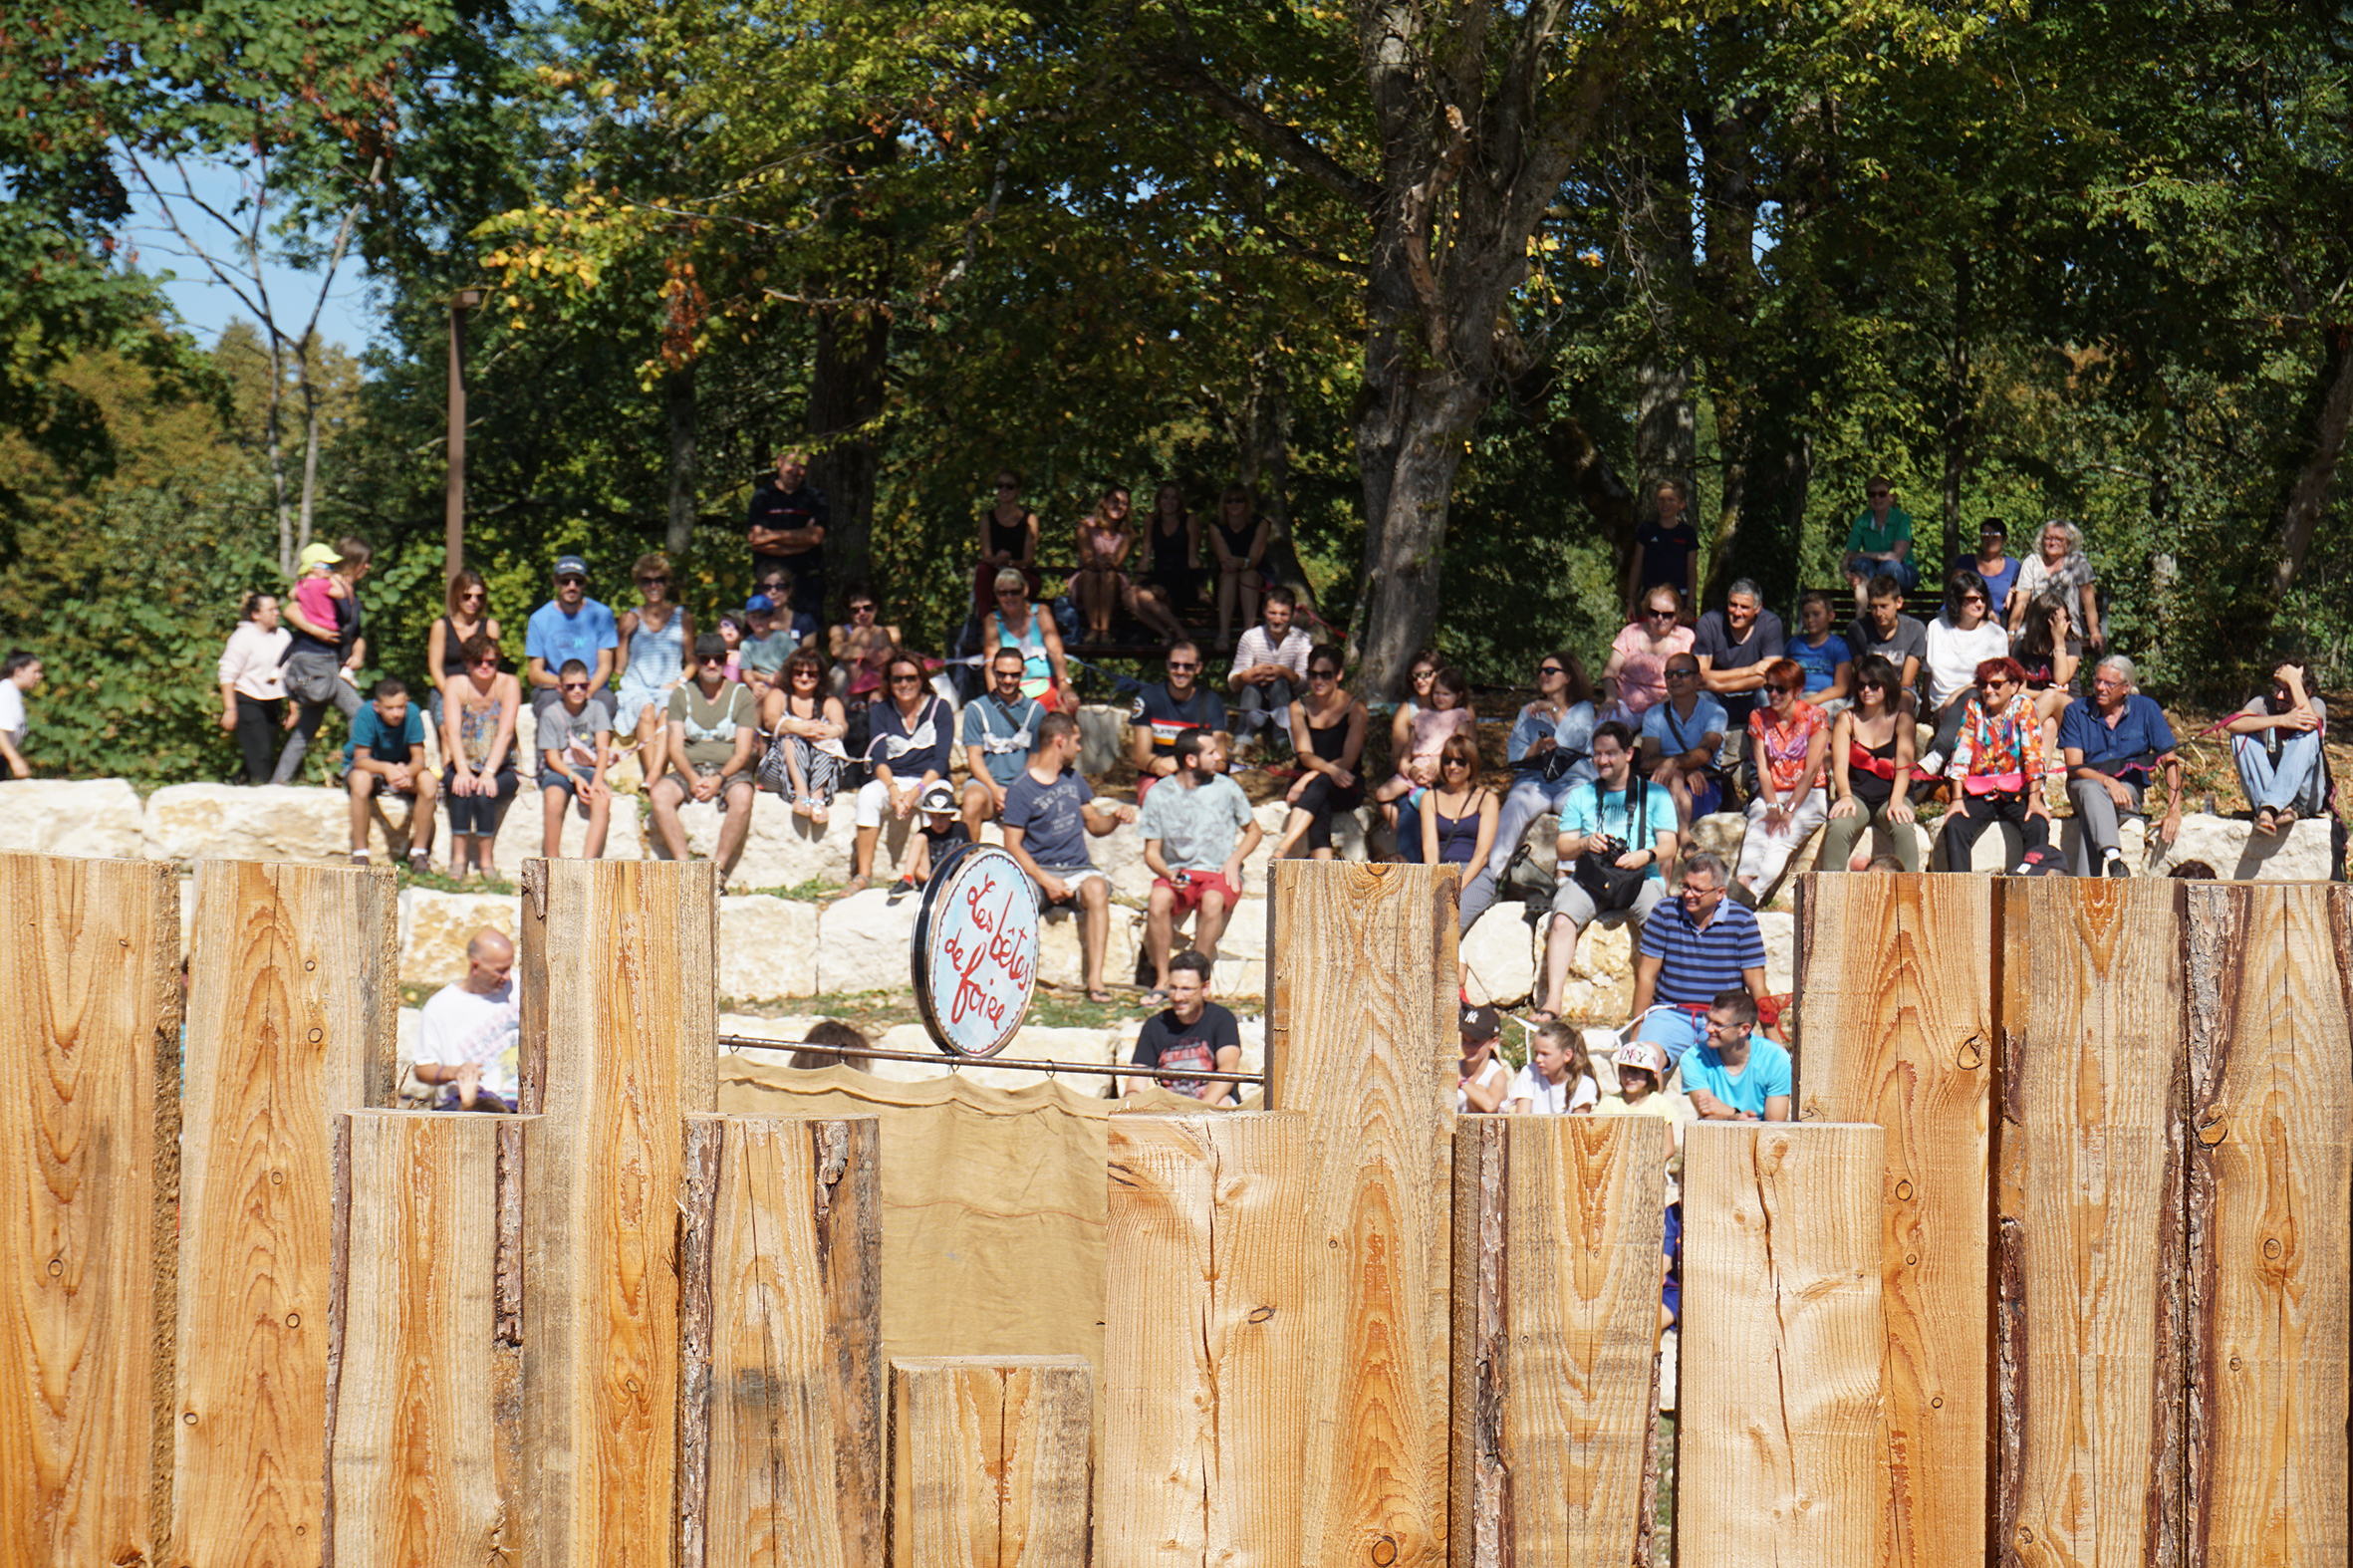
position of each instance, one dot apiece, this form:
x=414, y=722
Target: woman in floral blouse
x=1790, y=741
x=1997, y=765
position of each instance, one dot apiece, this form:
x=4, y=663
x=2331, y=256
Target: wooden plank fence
x=2053, y=1269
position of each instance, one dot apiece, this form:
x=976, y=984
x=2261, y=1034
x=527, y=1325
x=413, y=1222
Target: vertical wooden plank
x=1558, y=1225
x=1204, y=1310
x=89, y=1191
x=619, y=1023
x=1895, y=995
x=2271, y=1205
x=778, y=1464
x=2092, y=1236
x=991, y=1462
x=1361, y=1039
x=292, y=1009
x=414, y=1423
x=1780, y=1346
x=1046, y=1458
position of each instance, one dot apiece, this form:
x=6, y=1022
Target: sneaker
x=902, y=888
x=420, y=862
x=358, y=857
x=2112, y=865
x=1933, y=764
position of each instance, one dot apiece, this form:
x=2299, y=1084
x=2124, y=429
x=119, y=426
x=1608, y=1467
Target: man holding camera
x=1621, y=824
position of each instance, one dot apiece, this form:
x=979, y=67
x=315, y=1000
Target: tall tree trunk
x=1657, y=235
x=1725, y=130
x=845, y=398
x=678, y=391
x=1261, y=436
x=2312, y=461
x=1959, y=404
x=1408, y=449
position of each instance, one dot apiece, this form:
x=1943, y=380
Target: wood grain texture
x=1780, y=1346
x=1558, y=1226
x=763, y=1415
x=990, y=1461
x=2270, y=1205
x=2092, y=1232
x=1204, y=1311
x=414, y=1439
x=1895, y=995
x=292, y=1010
x=619, y=1023
x=1362, y=1037
x=89, y=1191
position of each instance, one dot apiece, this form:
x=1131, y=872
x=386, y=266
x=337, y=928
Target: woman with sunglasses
x=913, y=731
x=466, y=602
x=478, y=738
x=1551, y=747
x=1237, y=538
x=1958, y=641
x=1997, y=764
x=1790, y=743
x=1448, y=715
x=1457, y=826
x=1328, y=739
x=1871, y=772
x=861, y=646
x=1634, y=678
x=654, y=637
x=807, y=723
x=1008, y=537
x=1018, y=624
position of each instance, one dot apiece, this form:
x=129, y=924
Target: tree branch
x=1289, y=144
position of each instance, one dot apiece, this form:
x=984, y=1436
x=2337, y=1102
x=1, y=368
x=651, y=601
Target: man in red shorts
x=1198, y=830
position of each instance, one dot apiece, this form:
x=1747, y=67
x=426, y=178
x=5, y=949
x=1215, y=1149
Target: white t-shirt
x=1953, y=655
x=459, y=1027
x=12, y=710
x=1549, y=1098
x=1486, y=1077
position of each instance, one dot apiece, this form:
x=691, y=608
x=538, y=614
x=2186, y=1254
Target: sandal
x=2284, y=818
x=1100, y=998
x=855, y=885
x=1543, y=1015
x=820, y=815
x=2267, y=821
x=1155, y=998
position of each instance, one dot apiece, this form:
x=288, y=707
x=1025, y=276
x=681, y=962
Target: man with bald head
x=467, y=1039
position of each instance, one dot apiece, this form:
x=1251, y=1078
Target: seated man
x=1164, y=711
x=1190, y=1032
x=1680, y=741
x=1694, y=947
x=1269, y=668
x=1198, y=831
x=1733, y=645
x=2111, y=739
x=1049, y=814
x=999, y=729
x=714, y=731
x=1885, y=630
x=575, y=750
x=469, y=1032
x=1737, y=1074
x=1624, y=819
x=1880, y=541
x=2277, y=742
x=387, y=754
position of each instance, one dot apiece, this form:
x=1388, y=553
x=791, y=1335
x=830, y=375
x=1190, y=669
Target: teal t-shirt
x=1766, y=1075
x=367, y=730
x=1614, y=816
x=1869, y=538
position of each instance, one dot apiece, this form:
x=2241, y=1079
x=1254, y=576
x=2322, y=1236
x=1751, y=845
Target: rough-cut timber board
x=1780, y=1346
x=293, y=1013
x=2270, y=1207
x=990, y=1460
x=1363, y=1039
x=1895, y=995
x=88, y=1193
x=1208, y=1338
x=1558, y=1224
x=620, y=1026
x=2092, y=1232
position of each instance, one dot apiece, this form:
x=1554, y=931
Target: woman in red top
x=1871, y=772
x=1790, y=741
x=1997, y=764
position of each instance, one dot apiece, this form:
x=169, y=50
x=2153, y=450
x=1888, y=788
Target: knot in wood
x=1971, y=1054
x=2270, y=1246
x=1904, y=1192
x=1385, y=1551
x=2213, y=1130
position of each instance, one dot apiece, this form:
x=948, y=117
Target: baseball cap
x=569, y=566
x=937, y=796
x=318, y=555
x=1481, y=1023
x=1644, y=1054
x=759, y=605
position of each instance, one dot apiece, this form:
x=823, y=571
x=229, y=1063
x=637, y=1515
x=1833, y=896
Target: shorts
x=727, y=781
x=384, y=788
x=1196, y=884
x=1074, y=877
x=1574, y=902
x=548, y=780
x=1673, y=1028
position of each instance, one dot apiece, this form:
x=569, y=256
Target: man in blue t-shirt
x=1737, y=1074
x=2114, y=742
x=1164, y=712
x=999, y=731
x=1630, y=823
x=387, y=754
x=567, y=627
x=1049, y=814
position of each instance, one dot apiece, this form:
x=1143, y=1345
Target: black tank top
x=1869, y=787
x=1011, y=540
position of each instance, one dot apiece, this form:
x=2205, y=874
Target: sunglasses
x=804, y=672
x=1008, y=593
x=1879, y=495
x=1322, y=674
x=576, y=685
x=906, y=680
x=1659, y=615
x=1454, y=762
x=1972, y=598
x=1683, y=674
x=862, y=609
x=570, y=577
x=1424, y=674
x=1550, y=670
x=483, y=664
x=1179, y=668
x=470, y=595
x=648, y=581
x=1014, y=673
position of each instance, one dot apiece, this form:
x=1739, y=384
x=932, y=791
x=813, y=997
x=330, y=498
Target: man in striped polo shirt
x=1692, y=947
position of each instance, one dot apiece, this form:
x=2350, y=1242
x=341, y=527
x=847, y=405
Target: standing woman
x=1238, y=537
x=1008, y=537
x=1328, y=739
x=1174, y=539
x=467, y=602
x=252, y=690
x=808, y=724
x=654, y=637
x=1871, y=771
x=1018, y=624
x=1459, y=824
x=1790, y=743
x=909, y=751
x=478, y=738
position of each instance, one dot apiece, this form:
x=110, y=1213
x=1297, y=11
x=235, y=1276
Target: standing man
x=1198, y=831
x=1191, y=1031
x=1737, y=1074
x=1733, y=645
x=999, y=732
x=1692, y=949
x=469, y=1032
x=1880, y=541
x=1885, y=630
x=1666, y=551
x=2111, y=740
x=1166, y=711
x=387, y=754
x=1049, y=814
x=18, y=677
x=569, y=627
x=1634, y=827
x=1269, y=666
x=323, y=662
x=714, y=728
x=787, y=530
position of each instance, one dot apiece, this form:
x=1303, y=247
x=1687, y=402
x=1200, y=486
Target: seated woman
x=1101, y=588
x=1174, y=538
x=1958, y=641
x=478, y=738
x=1458, y=825
x=1634, y=678
x=1997, y=760
x=1018, y=624
x=1790, y=744
x=860, y=647
x=1870, y=772
x=1328, y=739
x=1237, y=538
x=2045, y=650
x=805, y=757
x=2059, y=574
x=2276, y=741
x=1448, y=715
x=1007, y=535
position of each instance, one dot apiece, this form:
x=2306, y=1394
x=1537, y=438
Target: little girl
x=1449, y=713
x=1558, y=1079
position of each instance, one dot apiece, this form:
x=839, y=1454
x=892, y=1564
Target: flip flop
x=1543, y=1015
x=1155, y=998
x=1100, y=997
x=2266, y=821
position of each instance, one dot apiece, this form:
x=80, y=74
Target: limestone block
x=767, y=948
x=866, y=943
x=435, y=926
x=1103, y=737
x=1722, y=832
x=87, y=817
x=521, y=833
x=1119, y=853
x=1032, y=1042
x=1239, y=979
x=1061, y=963
x=2233, y=848
x=1779, y=930
x=1501, y=954
x=785, y=850
x=247, y=822
x=405, y=1039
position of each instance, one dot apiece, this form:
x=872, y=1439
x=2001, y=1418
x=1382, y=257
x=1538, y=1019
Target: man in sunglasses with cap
x=567, y=627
